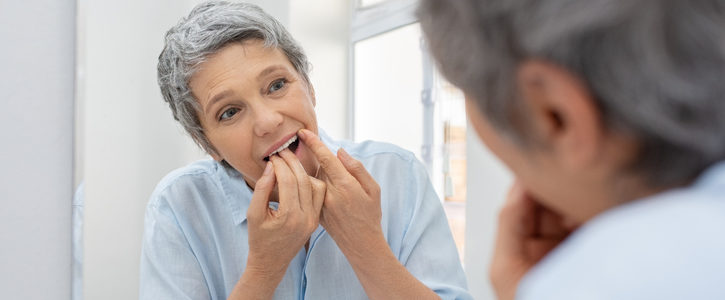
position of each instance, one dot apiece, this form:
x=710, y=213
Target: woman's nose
x=267, y=119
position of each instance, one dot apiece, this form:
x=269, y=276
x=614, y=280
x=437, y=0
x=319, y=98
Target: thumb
x=319, y=188
x=262, y=189
x=516, y=221
x=357, y=170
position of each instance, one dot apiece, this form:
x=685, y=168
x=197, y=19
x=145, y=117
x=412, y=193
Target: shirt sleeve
x=169, y=268
x=428, y=250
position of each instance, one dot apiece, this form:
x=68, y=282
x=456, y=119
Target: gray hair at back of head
x=209, y=27
x=656, y=68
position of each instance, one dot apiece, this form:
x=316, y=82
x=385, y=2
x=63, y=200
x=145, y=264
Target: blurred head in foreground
x=591, y=103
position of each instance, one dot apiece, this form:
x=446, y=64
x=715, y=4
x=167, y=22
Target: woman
x=276, y=214
x=611, y=116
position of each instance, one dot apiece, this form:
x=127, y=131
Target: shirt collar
x=712, y=177
x=236, y=192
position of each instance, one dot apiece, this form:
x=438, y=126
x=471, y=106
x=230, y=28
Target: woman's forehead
x=251, y=57
x=236, y=63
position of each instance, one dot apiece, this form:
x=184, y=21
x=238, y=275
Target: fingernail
x=268, y=169
x=344, y=155
x=302, y=133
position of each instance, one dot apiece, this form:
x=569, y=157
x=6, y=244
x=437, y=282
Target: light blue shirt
x=195, y=241
x=668, y=246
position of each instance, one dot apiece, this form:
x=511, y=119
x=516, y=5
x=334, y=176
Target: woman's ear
x=561, y=113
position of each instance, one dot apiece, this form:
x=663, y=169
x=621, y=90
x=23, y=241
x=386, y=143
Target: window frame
x=367, y=22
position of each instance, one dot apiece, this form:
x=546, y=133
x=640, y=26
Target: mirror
x=127, y=140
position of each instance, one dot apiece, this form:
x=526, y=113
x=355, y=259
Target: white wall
x=36, y=130
x=130, y=137
x=130, y=140
x=322, y=27
x=487, y=181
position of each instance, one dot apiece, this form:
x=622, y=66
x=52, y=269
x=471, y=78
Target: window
x=398, y=97
x=387, y=86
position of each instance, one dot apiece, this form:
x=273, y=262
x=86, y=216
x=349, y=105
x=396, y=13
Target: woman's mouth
x=292, y=144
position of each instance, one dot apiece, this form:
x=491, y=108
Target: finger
x=321, y=175
x=262, y=189
x=538, y=248
x=304, y=187
x=570, y=224
x=287, y=185
x=319, y=188
x=550, y=224
x=357, y=170
x=332, y=166
x=516, y=221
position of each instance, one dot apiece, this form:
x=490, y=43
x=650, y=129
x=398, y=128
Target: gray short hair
x=209, y=27
x=656, y=68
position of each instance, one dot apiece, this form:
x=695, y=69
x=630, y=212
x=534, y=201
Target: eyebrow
x=218, y=97
x=269, y=70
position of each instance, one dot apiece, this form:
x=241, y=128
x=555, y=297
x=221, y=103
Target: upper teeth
x=285, y=145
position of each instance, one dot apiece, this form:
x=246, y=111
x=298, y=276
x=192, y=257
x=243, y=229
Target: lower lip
x=299, y=147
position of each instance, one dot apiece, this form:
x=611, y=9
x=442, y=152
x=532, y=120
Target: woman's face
x=252, y=102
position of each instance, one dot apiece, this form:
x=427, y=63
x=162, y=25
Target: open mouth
x=291, y=144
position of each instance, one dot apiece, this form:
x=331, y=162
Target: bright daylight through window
x=399, y=98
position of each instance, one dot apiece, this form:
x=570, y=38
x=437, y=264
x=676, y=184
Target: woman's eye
x=277, y=85
x=228, y=113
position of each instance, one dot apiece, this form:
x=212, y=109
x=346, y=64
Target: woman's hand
x=351, y=215
x=351, y=212
x=275, y=236
x=527, y=232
